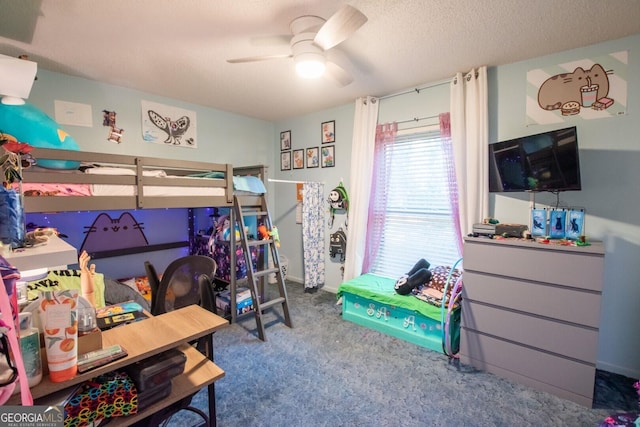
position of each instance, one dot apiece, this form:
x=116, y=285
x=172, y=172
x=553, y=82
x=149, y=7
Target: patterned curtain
x=313, y=208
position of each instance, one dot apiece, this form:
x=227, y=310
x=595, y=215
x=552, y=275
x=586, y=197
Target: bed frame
x=138, y=201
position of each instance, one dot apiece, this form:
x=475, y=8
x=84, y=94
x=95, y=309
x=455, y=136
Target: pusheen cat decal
x=174, y=129
x=107, y=233
x=569, y=92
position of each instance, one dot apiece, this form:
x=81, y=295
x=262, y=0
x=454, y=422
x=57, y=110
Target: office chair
x=185, y=281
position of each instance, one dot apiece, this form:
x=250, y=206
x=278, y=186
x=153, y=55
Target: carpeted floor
x=329, y=372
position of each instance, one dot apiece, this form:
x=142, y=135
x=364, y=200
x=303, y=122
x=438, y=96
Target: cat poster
x=164, y=124
x=575, y=224
x=538, y=222
x=557, y=220
x=585, y=89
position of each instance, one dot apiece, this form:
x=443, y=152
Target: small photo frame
x=285, y=161
x=538, y=222
x=313, y=160
x=575, y=224
x=328, y=156
x=557, y=219
x=285, y=140
x=298, y=159
x=328, y=132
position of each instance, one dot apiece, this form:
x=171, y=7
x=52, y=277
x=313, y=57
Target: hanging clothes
x=313, y=208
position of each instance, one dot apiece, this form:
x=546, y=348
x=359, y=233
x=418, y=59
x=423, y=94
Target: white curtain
x=362, y=149
x=470, y=137
x=313, y=207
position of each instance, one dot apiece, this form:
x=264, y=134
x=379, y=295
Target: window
x=411, y=208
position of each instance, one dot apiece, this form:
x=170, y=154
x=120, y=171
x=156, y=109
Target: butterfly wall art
x=163, y=124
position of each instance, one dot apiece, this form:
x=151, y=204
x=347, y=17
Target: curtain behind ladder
x=313, y=234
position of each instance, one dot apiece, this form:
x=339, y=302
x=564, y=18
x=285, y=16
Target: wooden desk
x=152, y=336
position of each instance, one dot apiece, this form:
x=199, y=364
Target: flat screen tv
x=543, y=162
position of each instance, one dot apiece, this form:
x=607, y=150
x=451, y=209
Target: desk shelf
x=147, y=338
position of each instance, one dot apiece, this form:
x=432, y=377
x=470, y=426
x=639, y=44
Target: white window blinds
x=411, y=204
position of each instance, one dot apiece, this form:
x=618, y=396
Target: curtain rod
x=416, y=90
x=417, y=119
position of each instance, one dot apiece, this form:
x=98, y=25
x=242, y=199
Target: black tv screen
x=543, y=162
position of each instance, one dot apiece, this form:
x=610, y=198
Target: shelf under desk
x=149, y=337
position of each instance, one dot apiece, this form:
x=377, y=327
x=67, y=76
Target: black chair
x=185, y=281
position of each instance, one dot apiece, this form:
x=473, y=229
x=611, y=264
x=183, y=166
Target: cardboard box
x=223, y=302
x=90, y=342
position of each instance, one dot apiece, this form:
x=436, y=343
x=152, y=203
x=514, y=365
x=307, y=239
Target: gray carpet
x=330, y=372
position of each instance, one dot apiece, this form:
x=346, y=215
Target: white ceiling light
x=16, y=79
x=310, y=65
x=309, y=58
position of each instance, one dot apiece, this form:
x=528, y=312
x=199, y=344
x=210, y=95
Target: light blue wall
x=609, y=159
x=305, y=133
x=609, y=150
x=222, y=137
x=609, y=156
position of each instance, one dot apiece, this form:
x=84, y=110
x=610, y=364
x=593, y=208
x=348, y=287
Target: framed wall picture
x=313, y=157
x=328, y=132
x=538, y=222
x=557, y=220
x=575, y=224
x=298, y=159
x=285, y=161
x=328, y=156
x=285, y=140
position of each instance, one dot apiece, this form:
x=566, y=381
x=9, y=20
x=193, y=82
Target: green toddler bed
x=372, y=301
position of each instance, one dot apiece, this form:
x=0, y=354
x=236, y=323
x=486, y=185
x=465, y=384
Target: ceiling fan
x=313, y=42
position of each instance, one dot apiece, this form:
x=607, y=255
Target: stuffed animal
x=418, y=275
x=275, y=236
x=262, y=232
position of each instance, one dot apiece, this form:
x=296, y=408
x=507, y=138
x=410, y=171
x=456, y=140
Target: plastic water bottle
x=30, y=348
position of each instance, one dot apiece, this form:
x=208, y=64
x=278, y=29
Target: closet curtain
x=470, y=138
x=313, y=208
x=362, y=150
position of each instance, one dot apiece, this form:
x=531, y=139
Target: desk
x=153, y=336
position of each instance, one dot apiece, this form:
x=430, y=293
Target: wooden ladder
x=256, y=206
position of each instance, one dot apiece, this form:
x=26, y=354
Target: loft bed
x=146, y=183
x=181, y=184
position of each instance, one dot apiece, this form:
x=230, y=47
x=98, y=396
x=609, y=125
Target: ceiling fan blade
x=259, y=58
x=337, y=74
x=339, y=27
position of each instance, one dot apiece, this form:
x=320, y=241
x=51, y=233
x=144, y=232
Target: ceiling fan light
x=310, y=66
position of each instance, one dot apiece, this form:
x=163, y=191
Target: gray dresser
x=531, y=313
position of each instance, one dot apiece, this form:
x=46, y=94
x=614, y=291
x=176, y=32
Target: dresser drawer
x=563, y=377
x=561, y=338
x=565, y=304
x=533, y=261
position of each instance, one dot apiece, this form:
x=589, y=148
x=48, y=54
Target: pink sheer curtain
x=447, y=148
x=385, y=135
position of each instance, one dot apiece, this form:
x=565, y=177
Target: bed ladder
x=256, y=206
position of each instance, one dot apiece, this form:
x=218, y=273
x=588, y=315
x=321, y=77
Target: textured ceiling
x=179, y=48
